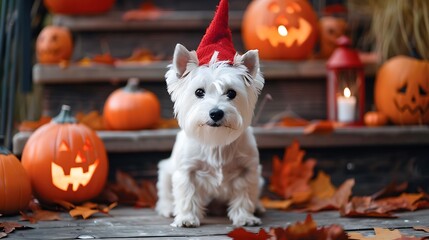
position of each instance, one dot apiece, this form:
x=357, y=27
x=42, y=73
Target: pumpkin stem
x=132, y=85
x=4, y=150
x=65, y=116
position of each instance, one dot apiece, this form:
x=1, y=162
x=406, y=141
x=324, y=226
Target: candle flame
x=282, y=30
x=347, y=92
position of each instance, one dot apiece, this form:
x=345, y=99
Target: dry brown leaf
x=292, y=175
x=88, y=209
x=93, y=120
x=40, y=215
x=307, y=229
x=243, y=234
x=363, y=207
x=380, y=234
x=130, y=192
x=293, y=122
x=8, y=227
x=29, y=126
x=322, y=187
x=320, y=127
x=276, y=204
x=147, y=11
x=339, y=199
x=421, y=228
x=65, y=204
x=405, y=201
x=390, y=190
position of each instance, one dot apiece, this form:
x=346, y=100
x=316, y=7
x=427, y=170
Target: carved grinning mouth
x=299, y=34
x=406, y=107
x=76, y=177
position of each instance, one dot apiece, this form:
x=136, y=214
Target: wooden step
x=267, y=138
x=167, y=21
x=155, y=71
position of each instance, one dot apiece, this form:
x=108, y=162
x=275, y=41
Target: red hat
x=217, y=38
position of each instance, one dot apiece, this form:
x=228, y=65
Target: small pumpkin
x=402, y=90
x=375, y=119
x=78, y=7
x=131, y=108
x=280, y=29
x=54, y=44
x=15, y=187
x=65, y=160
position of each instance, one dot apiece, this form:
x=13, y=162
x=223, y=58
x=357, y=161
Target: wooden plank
x=168, y=20
x=163, y=140
x=284, y=70
x=126, y=222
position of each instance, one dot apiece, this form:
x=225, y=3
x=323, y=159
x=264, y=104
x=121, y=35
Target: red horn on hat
x=217, y=38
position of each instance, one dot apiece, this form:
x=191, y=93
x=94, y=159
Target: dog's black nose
x=216, y=114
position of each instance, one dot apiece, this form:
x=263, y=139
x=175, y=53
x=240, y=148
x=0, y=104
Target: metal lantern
x=345, y=85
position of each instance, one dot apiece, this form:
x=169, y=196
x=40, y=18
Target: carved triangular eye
x=64, y=147
x=87, y=145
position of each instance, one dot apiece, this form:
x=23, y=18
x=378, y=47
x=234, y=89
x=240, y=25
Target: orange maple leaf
x=339, y=199
x=291, y=176
x=40, y=215
x=381, y=233
x=88, y=209
x=322, y=187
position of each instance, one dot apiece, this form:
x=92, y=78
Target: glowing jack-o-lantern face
x=280, y=29
x=402, y=90
x=54, y=44
x=65, y=161
x=82, y=166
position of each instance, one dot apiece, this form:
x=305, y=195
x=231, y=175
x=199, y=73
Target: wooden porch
x=135, y=223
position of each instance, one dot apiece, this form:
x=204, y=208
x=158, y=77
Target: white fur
x=210, y=162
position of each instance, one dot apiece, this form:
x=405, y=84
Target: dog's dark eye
x=231, y=94
x=200, y=93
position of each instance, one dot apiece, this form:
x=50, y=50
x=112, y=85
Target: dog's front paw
x=246, y=220
x=186, y=221
x=164, y=209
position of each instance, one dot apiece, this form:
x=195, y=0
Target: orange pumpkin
x=54, y=44
x=65, y=160
x=280, y=29
x=78, y=7
x=375, y=119
x=132, y=108
x=15, y=187
x=402, y=90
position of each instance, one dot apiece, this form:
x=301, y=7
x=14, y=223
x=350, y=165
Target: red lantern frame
x=344, y=68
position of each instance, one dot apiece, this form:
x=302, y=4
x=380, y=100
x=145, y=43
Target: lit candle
x=346, y=106
x=282, y=30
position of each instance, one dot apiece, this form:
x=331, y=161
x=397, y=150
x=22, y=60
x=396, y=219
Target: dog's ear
x=251, y=60
x=181, y=59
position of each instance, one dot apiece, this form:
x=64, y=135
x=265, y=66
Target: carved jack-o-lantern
x=54, y=44
x=65, y=161
x=280, y=29
x=331, y=28
x=402, y=90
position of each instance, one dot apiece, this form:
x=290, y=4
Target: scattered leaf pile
x=93, y=120
x=8, y=227
x=128, y=191
x=298, y=231
x=292, y=181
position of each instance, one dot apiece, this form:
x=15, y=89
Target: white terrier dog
x=215, y=155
